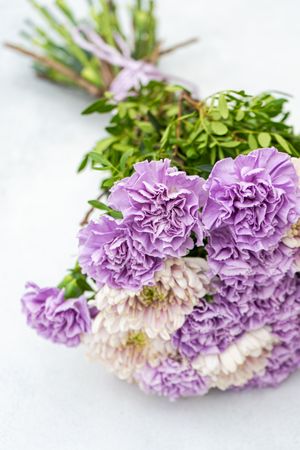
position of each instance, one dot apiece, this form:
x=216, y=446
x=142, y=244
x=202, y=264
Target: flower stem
x=66, y=71
x=177, y=46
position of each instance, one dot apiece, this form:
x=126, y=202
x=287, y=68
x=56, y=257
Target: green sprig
x=164, y=121
x=76, y=284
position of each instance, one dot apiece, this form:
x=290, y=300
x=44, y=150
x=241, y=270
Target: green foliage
x=99, y=205
x=99, y=106
x=75, y=284
x=163, y=121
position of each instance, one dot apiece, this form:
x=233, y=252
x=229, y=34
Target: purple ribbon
x=134, y=73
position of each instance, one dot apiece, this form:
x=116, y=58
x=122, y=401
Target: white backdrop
x=52, y=398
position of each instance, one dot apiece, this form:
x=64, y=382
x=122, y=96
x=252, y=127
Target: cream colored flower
x=126, y=352
x=160, y=309
x=240, y=361
x=296, y=164
x=292, y=237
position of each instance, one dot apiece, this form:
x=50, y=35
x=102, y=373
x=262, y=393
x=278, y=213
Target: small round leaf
x=219, y=128
x=264, y=139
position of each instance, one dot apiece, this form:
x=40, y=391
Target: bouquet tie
x=134, y=72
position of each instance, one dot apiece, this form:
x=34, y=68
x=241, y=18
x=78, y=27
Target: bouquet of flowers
x=94, y=53
x=187, y=275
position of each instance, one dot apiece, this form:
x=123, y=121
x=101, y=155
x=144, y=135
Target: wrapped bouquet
x=95, y=53
x=187, y=276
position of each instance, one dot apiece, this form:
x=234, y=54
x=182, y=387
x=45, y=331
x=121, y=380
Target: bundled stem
x=64, y=61
x=64, y=70
x=77, y=79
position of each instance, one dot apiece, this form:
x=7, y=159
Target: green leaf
x=100, y=106
x=215, y=115
x=281, y=141
x=173, y=88
x=68, y=278
x=125, y=157
x=92, y=74
x=66, y=10
x=146, y=127
x=191, y=153
x=108, y=183
x=84, y=286
x=122, y=147
x=239, y=115
x=205, y=167
x=115, y=214
x=72, y=290
x=264, y=139
x=219, y=128
x=221, y=153
x=83, y=163
x=97, y=158
x=230, y=144
x=252, y=142
x=213, y=156
x=223, y=107
x=154, y=122
x=99, y=205
x=104, y=144
x=166, y=135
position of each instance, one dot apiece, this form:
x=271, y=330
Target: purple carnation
x=250, y=302
x=227, y=260
x=62, y=321
x=224, y=257
x=282, y=363
x=255, y=196
x=210, y=328
x=163, y=205
x=284, y=303
x=262, y=304
x=109, y=254
x=172, y=379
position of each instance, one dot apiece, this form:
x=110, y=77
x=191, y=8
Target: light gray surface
x=51, y=398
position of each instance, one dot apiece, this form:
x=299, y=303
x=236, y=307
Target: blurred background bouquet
x=96, y=53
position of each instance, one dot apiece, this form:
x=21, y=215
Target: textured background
x=51, y=398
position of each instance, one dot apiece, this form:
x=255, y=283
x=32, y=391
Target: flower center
x=295, y=229
x=151, y=296
x=137, y=339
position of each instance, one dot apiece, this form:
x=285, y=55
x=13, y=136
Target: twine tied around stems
x=133, y=74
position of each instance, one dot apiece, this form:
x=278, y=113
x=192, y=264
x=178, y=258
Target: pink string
x=134, y=73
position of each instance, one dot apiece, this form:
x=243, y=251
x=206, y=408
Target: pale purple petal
x=62, y=321
x=163, y=206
